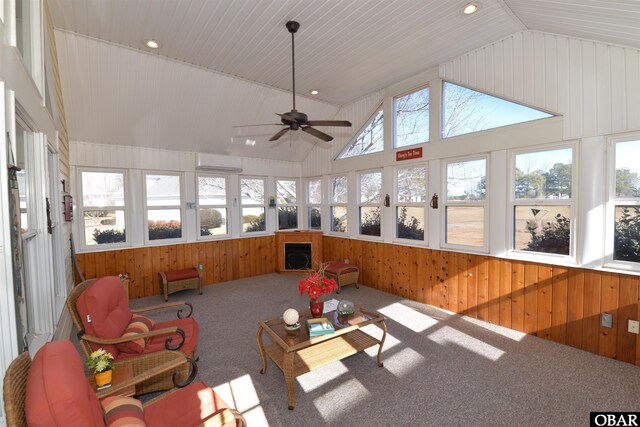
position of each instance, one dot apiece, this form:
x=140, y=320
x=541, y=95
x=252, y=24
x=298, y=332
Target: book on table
x=320, y=326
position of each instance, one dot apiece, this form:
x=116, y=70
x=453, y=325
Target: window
x=465, y=203
x=466, y=111
x=626, y=201
x=163, y=197
x=411, y=197
x=24, y=142
x=543, y=201
x=314, y=199
x=369, y=139
x=103, y=207
x=287, y=203
x=411, y=118
x=252, y=200
x=339, y=198
x=213, y=211
x=370, y=203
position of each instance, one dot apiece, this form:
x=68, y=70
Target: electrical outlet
x=634, y=326
x=606, y=320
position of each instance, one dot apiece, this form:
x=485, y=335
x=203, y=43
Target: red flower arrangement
x=316, y=284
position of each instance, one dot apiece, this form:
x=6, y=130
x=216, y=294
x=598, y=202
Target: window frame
x=395, y=117
x=296, y=204
x=226, y=206
x=612, y=201
x=379, y=205
x=333, y=204
x=396, y=204
x=81, y=208
x=264, y=205
x=146, y=209
x=485, y=204
x=378, y=110
x=310, y=205
x=512, y=202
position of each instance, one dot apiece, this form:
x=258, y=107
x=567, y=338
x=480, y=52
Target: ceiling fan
x=297, y=120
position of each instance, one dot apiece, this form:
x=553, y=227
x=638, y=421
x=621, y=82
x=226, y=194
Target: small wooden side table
x=120, y=374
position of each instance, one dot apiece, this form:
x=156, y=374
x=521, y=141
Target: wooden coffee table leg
x=261, y=349
x=384, y=336
x=289, y=377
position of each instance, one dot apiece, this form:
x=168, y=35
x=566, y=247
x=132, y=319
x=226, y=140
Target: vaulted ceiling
x=223, y=63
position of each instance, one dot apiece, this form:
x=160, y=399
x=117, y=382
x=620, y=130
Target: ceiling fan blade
x=287, y=117
x=315, y=132
x=279, y=134
x=344, y=123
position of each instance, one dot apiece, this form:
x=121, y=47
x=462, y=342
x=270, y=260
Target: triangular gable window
x=466, y=111
x=370, y=139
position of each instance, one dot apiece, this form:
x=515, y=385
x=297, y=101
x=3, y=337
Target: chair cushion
x=334, y=267
x=58, y=393
x=106, y=304
x=191, y=331
x=187, y=406
x=122, y=411
x=188, y=273
x=138, y=325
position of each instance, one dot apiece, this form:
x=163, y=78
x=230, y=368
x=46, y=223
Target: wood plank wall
x=556, y=303
x=223, y=260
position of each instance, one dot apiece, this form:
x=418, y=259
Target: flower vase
x=316, y=307
x=104, y=378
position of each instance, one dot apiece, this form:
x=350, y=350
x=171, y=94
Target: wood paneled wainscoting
x=223, y=260
x=557, y=303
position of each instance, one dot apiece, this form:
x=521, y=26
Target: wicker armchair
x=34, y=394
x=170, y=343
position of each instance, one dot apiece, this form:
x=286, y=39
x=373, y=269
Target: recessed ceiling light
x=152, y=44
x=471, y=8
x=314, y=92
x=250, y=142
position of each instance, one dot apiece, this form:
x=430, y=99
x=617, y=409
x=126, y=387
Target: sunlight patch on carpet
x=389, y=342
x=448, y=335
x=408, y=317
x=340, y=400
x=315, y=379
x=256, y=417
x=403, y=362
x=239, y=393
x=505, y=332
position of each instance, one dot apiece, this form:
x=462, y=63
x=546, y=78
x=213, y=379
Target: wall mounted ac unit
x=218, y=163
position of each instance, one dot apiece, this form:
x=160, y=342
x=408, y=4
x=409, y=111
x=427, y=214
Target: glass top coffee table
x=295, y=353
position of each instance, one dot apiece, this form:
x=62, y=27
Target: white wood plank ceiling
x=346, y=49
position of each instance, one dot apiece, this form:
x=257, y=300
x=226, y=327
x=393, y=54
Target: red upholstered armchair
x=52, y=390
x=101, y=313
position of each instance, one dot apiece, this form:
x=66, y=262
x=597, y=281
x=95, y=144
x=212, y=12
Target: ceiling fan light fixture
x=152, y=44
x=470, y=8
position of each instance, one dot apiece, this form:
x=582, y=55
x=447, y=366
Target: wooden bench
x=343, y=274
x=179, y=280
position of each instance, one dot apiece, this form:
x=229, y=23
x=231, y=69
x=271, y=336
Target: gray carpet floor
x=439, y=369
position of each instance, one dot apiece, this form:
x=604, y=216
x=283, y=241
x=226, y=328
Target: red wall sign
x=411, y=153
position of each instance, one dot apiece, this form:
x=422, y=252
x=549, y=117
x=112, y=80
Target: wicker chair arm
x=224, y=416
x=147, y=374
x=165, y=306
x=120, y=340
x=193, y=371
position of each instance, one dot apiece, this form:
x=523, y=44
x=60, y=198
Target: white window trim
x=333, y=204
x=461, y=203
x=254, y=205
x=393, y=107
x=160, y=242
x=226, y=206
x=295, y=205
x=425, y=205
x=612, y=201
x=309, y=205
x=81, y=209
x=512, y=202
x=379, y=205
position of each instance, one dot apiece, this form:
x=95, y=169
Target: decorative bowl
x=345, y=308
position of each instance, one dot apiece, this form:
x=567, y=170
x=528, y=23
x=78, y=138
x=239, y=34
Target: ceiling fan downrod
x=293, y=26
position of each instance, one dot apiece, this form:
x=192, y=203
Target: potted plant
x=101, y=363
x=315, y=284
